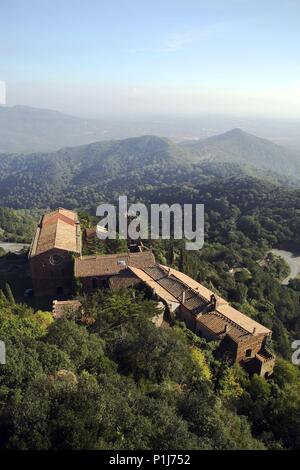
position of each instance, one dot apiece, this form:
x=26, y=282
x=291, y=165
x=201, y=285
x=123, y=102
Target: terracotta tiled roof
x=188, y=281
x=220, y=326
x=197, y=299
x=57, y=229
x=182, y=292
x=158, y=289
x=223, y=307
x=71, y=215
x=108, y=265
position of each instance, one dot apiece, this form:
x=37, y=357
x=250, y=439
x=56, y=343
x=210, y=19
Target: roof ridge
x=230, y=321
x=166, y=277
x=107, y=255
x=56, y=230
x=115, y=255
x=187, y=286
x=223, y=306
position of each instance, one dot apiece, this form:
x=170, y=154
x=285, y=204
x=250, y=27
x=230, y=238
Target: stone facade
x=241, y=339
x=55, y=260
x=52, y=273
x=56, y=240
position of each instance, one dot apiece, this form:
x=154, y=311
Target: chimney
x=183, y=297
x=169, y=272
x=254, y=330
x=226, y=328
x=213, y=302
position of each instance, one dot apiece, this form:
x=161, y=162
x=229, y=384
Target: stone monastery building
x=56, y=261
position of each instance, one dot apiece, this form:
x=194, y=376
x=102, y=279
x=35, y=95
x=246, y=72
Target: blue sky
x=189, y=56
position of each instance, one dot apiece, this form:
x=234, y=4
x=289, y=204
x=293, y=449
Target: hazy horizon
x=176, y=58
x=39, y=122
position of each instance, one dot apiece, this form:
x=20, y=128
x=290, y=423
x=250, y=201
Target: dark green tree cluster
x=17, y=225
x=118, y=383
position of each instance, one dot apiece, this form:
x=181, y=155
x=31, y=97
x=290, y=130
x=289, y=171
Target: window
x=56, y=260
x=105, y=284
x=95, y=283
x=248, y=352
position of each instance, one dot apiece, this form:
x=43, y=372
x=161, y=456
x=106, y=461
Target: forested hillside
x=240, y=147
x=17, y=225
x=265, y=212
x=26, y=129
x=244, y=218
x=84, y=176
x=112, y=380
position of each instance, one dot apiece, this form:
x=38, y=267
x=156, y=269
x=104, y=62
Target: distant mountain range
x=237, y=146
x=40, y=179
x=24, y=129
x=85, y=175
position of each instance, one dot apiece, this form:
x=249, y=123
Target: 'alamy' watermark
x=162, y=221
x=2, y=92
x=2, y=353
x=296, y=353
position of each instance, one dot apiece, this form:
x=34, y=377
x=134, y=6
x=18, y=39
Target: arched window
x=248, y=352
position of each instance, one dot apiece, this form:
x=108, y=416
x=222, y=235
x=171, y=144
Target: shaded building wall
x=228, y=349
x=202, y=330
x=265, y=369
x=185, y=315
x=122, y=280
x=243, y=350
x=253, y=344
x=49, y=279
x=90, y=284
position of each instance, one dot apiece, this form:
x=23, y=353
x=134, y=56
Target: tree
x=2, y=297
x=9, y=294
x=229, y=385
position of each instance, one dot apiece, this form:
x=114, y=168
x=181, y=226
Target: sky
x=94, y=57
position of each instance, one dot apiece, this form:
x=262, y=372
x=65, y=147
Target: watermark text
x=162, y=221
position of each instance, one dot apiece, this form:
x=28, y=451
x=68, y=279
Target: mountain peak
x=240, y=147
x=236, y=130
